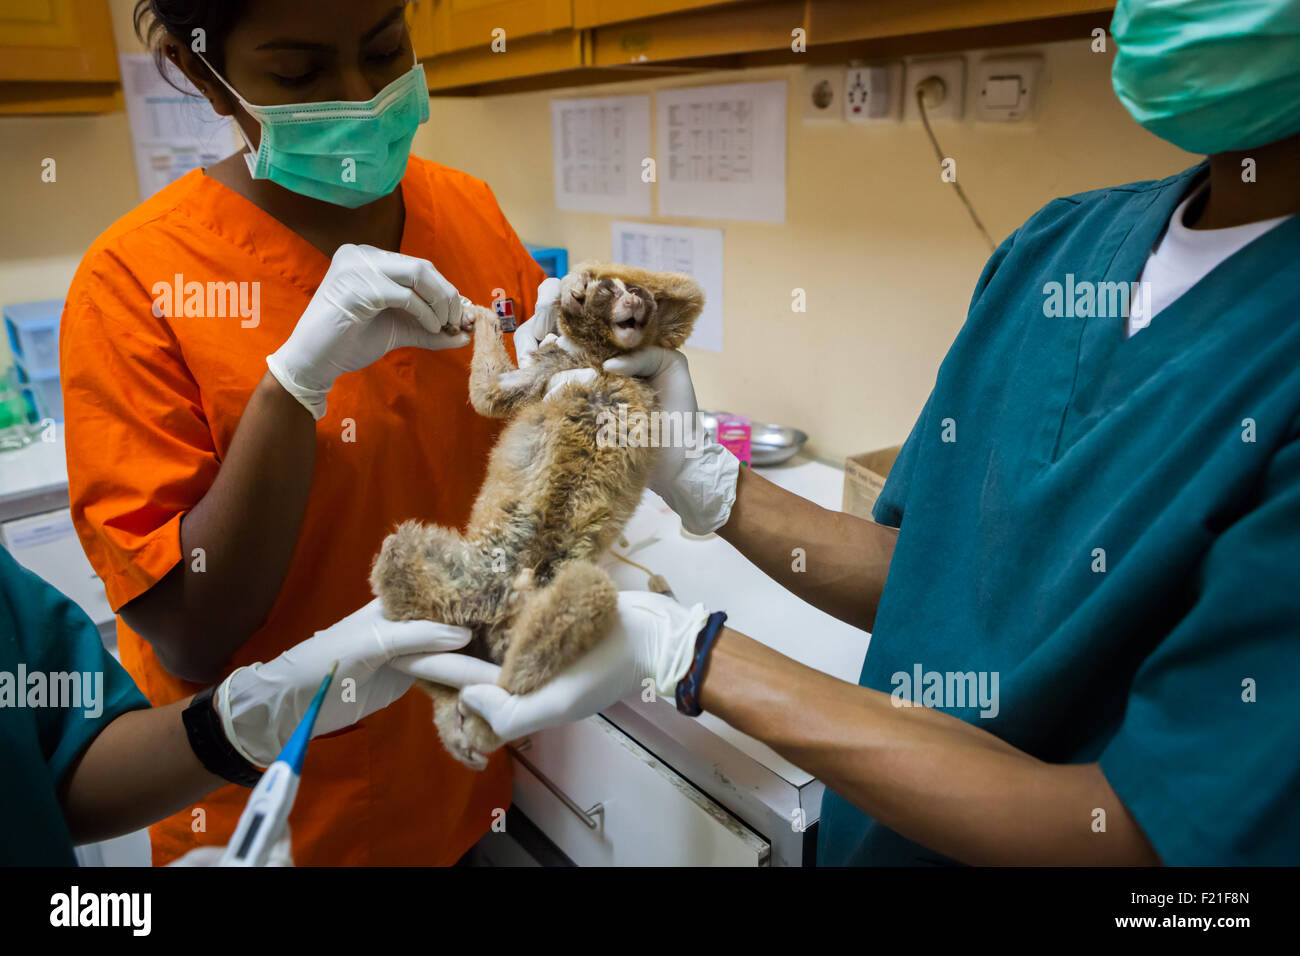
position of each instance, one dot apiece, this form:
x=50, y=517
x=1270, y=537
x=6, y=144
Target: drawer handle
x=591, y=819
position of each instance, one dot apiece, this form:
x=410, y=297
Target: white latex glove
x=370, y=302
x=696, y=479
x=542, y=325
x=652, y=639
x=261, y=705
x=281, y=854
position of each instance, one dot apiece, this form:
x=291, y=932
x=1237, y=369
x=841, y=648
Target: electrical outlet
x=823, y=94
x=872, y=93
x=951, y=73
x=1006, y=88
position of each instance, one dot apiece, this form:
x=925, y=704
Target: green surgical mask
x=343, y=152
x=1210, y=76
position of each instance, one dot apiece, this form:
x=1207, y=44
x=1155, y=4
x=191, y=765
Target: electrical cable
x=657, y=582
x=938, y=150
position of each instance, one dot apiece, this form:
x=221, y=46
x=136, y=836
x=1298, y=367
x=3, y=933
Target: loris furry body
x=523, y=574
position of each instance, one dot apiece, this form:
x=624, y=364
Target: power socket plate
x=952, y=70
x=873, y=93
x=823, y=94
x=1006, y=88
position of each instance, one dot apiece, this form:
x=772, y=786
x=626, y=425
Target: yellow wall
x=884, y=250
x=47, y=226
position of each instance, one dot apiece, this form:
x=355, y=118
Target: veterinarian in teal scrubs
x=1091, y=538
x=86, y=758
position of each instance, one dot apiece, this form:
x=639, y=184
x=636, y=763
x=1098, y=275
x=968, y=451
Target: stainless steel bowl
x=768, y=444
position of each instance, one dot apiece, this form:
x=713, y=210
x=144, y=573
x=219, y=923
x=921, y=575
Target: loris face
x=606, y=313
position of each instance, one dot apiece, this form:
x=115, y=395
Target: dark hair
x=154, y=19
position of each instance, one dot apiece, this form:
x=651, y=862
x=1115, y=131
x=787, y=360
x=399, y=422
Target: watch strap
x=688, y=688
x=211, y=745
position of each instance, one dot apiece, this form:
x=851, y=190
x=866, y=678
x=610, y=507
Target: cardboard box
x=864, y=479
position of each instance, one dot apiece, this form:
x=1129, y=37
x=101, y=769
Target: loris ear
x=679, y=300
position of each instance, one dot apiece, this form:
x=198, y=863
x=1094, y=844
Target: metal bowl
x=768, y=444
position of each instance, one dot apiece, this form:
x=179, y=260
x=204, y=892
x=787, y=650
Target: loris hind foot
x=557, y=625
x=466, y=735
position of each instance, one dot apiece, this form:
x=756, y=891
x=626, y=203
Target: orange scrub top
x=152, y=404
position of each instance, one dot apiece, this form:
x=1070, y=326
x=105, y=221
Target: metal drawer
x=605, y=800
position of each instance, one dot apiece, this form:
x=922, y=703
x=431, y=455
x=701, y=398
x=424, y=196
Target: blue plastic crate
x=33, y=330
x=553, y=260
x=43, y=392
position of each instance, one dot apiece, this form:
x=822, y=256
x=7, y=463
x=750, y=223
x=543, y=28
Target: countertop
x=39, y=470
x=715, y=574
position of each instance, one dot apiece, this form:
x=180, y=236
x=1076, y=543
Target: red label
x=505, y=309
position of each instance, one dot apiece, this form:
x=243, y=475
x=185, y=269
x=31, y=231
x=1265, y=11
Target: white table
x=715, y=574
x=770, y=795
x=34, y=478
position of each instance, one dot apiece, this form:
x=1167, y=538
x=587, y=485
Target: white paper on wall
x=721, y=151
x=599, y=145
x=697, y=252
x=173, y=133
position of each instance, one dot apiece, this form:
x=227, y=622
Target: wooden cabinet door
x=713, y=30
x=531, y=59
x=595, y=13
x=832, y=21
x=57, y=41
x=419, y=20
x=469, y=24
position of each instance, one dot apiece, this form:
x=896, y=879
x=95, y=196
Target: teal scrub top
x=44, y=636
x=1113, y=529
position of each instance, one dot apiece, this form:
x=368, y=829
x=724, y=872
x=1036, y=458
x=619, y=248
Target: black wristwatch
x=688, y=688
x=209, y=742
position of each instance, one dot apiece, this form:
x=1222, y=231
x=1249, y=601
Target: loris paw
x=473, y=316
x=467, y=736
x=573, y=291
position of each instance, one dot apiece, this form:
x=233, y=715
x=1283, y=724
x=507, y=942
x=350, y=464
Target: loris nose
x=628, y=311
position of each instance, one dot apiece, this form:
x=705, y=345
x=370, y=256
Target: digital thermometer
x=262, y=822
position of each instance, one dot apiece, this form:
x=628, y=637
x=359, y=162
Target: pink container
x=734, y=434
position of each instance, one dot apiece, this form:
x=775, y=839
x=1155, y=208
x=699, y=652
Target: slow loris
x=523, y=575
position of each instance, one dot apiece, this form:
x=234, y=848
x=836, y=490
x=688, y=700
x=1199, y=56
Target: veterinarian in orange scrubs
x=226, y=521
